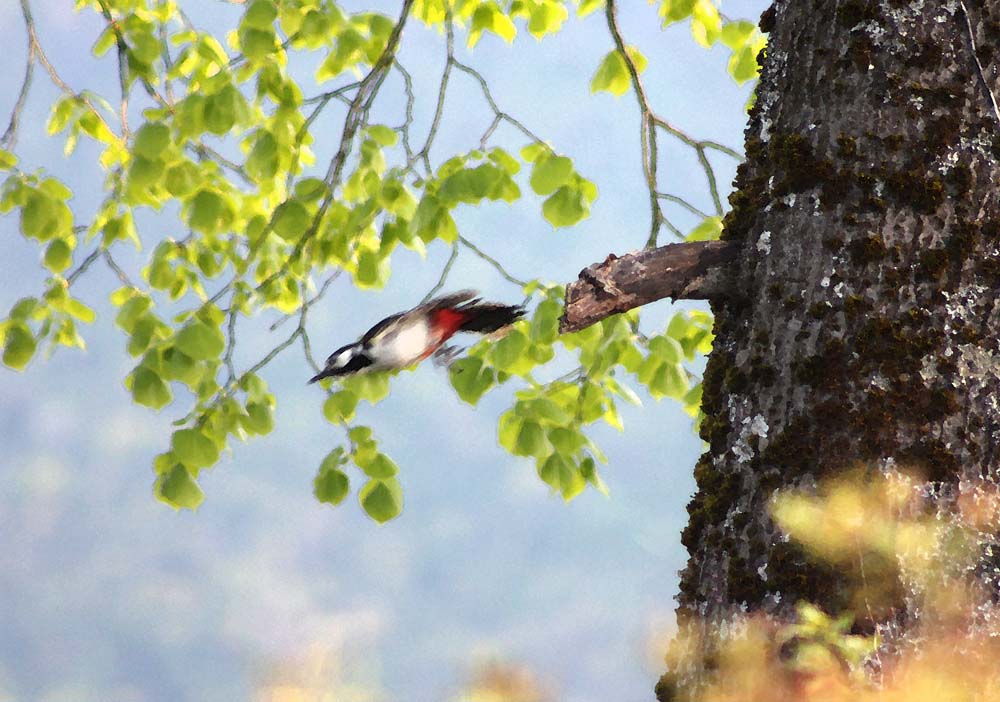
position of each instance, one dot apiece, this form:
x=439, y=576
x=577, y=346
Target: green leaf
x=209, y=212
x=340, y=406
x=262, y=163
x=152, y=140
x=331, y=484
x=178, y=489
x=58, y=256
x=566, y=441
x=382, y=499
x=200, y=341
x=373, y=387
x=291, y=220
x=666, y=349
x=149, y=390
x=675, y=10
x=612, y=74
x=589, y=472
x=531, y=441
x=565, y=207
x=194, y=449
x=470, y=378
x=19, y=346
x=40, y=216
x=373, y=269
x=259, y=418
x=489, y=17
x=709, y=230
x=376, y=465
x=706, y=23
x=7, y=160
x=546, y=18
x=260, y=14
x=507, y=352
x=75, y=308
x=383, y=135
x=743, y=63
x=550, y=173
x=736, y=34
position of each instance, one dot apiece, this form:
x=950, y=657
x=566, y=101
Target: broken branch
x=693, y=270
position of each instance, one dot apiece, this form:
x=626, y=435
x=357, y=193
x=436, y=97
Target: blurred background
x=486, y=581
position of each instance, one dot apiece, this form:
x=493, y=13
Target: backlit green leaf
x=200, y=341
x=613, y=74
x=565, y=207
x=194, y=449
x=340, y=406
x=470, y=378
x=19, y=346
x=550, y=173
x=149, y=390
x=58, y=256
x=152, y=140
x=331, y=484
x=382, y=499
x=178, y=489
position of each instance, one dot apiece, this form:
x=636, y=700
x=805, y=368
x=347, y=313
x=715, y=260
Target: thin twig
x=647, y=130
x=29, y=24
x=444, y=275
x=506, y=117
x=410, y=99
x=492, y=261
x=122, y=49
x=9, y=138
x=206, y=152
x=322, y=291
x=118, y=271
x=425, y=151
x=84, y=265
x=683, y=203
x=227, y=357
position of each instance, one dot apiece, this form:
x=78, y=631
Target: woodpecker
x=409, y=337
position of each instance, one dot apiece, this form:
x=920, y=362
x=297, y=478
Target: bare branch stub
x=694, y=270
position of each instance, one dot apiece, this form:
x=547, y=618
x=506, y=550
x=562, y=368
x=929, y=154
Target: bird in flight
x=409, y=337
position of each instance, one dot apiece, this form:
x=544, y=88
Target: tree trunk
x=868, y=217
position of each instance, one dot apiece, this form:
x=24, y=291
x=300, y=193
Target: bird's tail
x=488, y=317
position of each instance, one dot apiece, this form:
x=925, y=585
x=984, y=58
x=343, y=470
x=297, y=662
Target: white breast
x=402, y=346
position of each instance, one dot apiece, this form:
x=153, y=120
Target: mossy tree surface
x=867, y=325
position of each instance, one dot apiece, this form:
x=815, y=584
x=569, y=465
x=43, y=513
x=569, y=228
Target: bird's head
x=345, y=361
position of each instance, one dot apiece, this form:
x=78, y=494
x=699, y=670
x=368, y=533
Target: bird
x=406, y=338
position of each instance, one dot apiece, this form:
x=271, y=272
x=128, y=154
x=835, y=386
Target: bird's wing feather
x=450, y=300
x=380, y=327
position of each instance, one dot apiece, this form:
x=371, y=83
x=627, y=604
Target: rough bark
x=697, y=270
x=868, y=220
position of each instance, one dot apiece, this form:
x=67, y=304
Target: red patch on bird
x=447, y=321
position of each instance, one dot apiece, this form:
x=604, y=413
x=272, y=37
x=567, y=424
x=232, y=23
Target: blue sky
x=106, y=594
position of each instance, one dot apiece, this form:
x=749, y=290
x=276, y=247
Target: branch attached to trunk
x=690, y=271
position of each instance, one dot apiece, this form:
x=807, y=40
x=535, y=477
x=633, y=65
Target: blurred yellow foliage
x=903, y=548
x=503, y=682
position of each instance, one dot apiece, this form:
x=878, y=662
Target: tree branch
x=689, y=271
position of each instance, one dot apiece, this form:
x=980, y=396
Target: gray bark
x=868, y=217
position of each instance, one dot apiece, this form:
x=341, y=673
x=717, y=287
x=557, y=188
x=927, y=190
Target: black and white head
x=345, y=361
